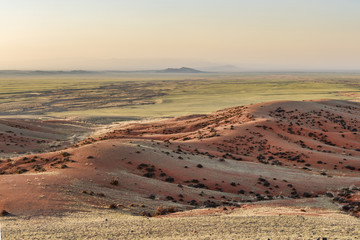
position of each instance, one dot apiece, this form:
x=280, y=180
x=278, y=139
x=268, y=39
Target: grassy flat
x=139, y=95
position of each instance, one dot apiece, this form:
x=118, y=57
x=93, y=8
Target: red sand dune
x=277, y=150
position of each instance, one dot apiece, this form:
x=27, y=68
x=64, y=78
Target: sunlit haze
x=148, y=34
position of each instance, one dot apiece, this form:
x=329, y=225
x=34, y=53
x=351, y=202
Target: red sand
x=259, y=152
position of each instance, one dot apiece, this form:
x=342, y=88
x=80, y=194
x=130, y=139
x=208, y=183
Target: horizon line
x=199, y=69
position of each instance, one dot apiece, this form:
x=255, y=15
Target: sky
x=147, y=34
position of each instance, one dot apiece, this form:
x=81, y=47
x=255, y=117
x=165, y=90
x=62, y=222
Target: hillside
x=283, y=151
x=179, y=70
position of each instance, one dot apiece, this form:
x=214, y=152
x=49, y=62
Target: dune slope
x=278, y=150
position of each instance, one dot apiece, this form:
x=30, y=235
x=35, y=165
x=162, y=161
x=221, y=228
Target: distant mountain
x=180, y=70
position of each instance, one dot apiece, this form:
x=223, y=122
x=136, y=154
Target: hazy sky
x=122, y=34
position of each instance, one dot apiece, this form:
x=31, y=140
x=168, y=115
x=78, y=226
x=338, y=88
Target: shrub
x=22, y=170
x=170, y=179
x=113, y=206
x=64, y=166
x=164, y=210
x=146, y=214
x=350, y=167
x=307, y=195
x=114, y=182
x=4, y=213
x=65, y=154
x=149, y=174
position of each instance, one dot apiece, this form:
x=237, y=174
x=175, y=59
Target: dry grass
x=253, y=223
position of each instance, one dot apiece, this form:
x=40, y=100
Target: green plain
x=141, y=95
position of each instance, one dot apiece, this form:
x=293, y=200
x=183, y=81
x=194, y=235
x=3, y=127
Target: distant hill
x=180, y=70
x=40, y=72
